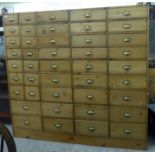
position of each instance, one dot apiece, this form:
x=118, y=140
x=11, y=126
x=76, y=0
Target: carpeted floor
x=29, y=145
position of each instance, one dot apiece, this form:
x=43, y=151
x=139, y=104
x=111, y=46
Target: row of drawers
x=78, y=66
x=86, y=27
x=98, y=96
x=76, y=15
x=78, y=53
x=77, y=40
x=82, y=127
x=81, y=111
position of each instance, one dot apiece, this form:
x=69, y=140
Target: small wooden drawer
x=128, y=130
x=56, y=94
x=28, y=30
x=93, y=112
x=27, y=18
x=127, y=67
x=27, y=122
x=11, y=30
x=58, y=125
x=91, y=128
x=127, y=25
x=88, y=27
x=89, y=66
x=53, y=40
x=54, y=53
x=128, y=98
x=56, y=80
x=15, y=78
x=127, y=39
x=91, y=96
x=52, y=28
x=31, y=66
x=12, y=42
x=127, y=12
x=128, y=53
x=15, y=65
x=28, y=42
x=89, y=53
x=14, y=53
x=32, y=93
x=11, y=19
x=51, y=16
x=25, y=107
x=128, y=82
x=88, y=14
x=88, y=40
x=16, y=92
x=30, y=53
x=128, y=114
x=31, y=79
x=54, y=66
x=57, y=110
x=90, y=81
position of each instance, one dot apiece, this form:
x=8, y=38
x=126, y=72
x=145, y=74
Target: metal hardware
x=127, y=115
x=127, y=53
x=26, y=122
x=127, y=82
x=16, y=92
x=12, y=30
x=126, y=13
x=90, y=112
x=90, y=81
x=53, y=66
x=53, y=53
x=57, y=95
x=15, y=78
x=26, y=108
x=31, y=66
x=51, y=29
x=15, y=66
x=51, y=17
x=127, y=40
x=127, y=67
x=31, y=93
x=88, y=41
x=87, y=15
x=58, y=125
x=11, y=20
x=127, y=26
x=89, y=53
x=89, y=67
x=14, y=54
x=12, y=42
x=28, y=18
x=29, y=53
x=55, y=80
x=28, y=30
x=57, y=111
x=52, y=42
x=87, y=28
x=31, y=79
x=91, y=129
x=127, y=98
x=28, y=42
x=90, y=97
x=128, y=131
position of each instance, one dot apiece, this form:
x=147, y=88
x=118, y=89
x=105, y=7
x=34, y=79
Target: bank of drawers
x=81, y=72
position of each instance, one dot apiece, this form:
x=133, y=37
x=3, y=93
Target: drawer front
x=16, y=92
x=127, y=12
x=28, y=30
x=57, y=110
x=25, y=107
x=15, y=66
x=30, y=53
x=15, y=78
x=89, y=66
x=53, y=40
x=11, y=19
x=54, y=53
x=90, y=81
x=128, y=82
x=31, y=66
x=11, y=30
x=56, y=80
x=93, y=112
x=88, y=27
x=88, y=14
x=31, y=79
x=128, y=53
x=56, y=94
x=128, y=114
x=127, y=39
x=127, y=67
x=52, y=16
x=54, y=66
x=14, y=53
x=89, y=53
x=88, y=40
x=12, y=42
x=97, y=96
x=32, y=93
x=52, y=29
x=27, y=18
x=28, y=42
x=128, y=98
x=128, y=131
x=91, y=128
x=27, y=122
x=58, y=125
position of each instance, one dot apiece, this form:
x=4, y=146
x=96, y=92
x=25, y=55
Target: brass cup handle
x=89, y=53
x=15, y=66
x=127, y=115
x=29, y=53
x=55, y=80
x=127, y=26
x=31, y=66
x=89, y=67
x=16, y=92
x=51, y=29
x=127, y=98
x=87, y=28
x=52, y=42
x=91, y=129
x=15, y=78
x=88, y=41
x=54, y=66
x=127, y=53
x=126, y=13
x=14, y=54
x=56, y=111
x=89, y=81
x=28, y=42
x=51, y=17
x=28, y=18
x=11, y=20
x=57, y=95
x=53, y=53
x=127, y=82
x=27, y=122
x=127, y=67
x=28, y=30
x=26, y=108
x=90, y=112
x=12, y=30
x=128, y=131
x=87, y=15
x=31, y=93
x=90, y=97
x=31, y=79
x=127, y=40
x=12, y=42
x=57, y=125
